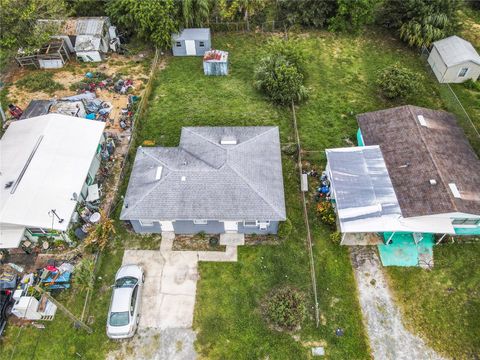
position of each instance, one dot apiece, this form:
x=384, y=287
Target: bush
x=336, y=237
x=290, y=50
x=280, y=80
x=284, y=229
x=40, y=81
x=285, y=308
x=326, y=213
x=472, y=85
x=83, y=276
x=398, y=82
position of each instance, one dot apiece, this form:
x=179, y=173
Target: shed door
x=190, y=47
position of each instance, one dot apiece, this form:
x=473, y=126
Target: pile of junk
x=25, y=295
x=99, y=80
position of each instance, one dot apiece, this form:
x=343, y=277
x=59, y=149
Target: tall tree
x=352, y=14
x=153, y=20
x=244, y=9
x=421, y=22
x=86, y=7
x=311, y=13
x=19, y=21
x=194, y=13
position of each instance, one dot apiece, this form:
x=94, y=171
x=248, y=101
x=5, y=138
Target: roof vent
x=158, y=174
x=228, y=140
x=454, y=190
x=433, y=182
x=421, y=120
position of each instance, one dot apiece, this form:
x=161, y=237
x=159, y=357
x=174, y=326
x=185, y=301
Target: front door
x=231, y=227
x=166, y=226
x=190, y=47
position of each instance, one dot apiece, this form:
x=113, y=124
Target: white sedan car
x=124, y=312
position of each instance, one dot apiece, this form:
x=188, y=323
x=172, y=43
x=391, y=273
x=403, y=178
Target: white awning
x=10, y=236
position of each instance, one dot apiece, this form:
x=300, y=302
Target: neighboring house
x=88, y=37
x=191, y=42
x=416, y=173
x=218, y=180
x=454, y=60
x=46, y=165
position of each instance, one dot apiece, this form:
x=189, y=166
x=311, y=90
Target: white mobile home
x=454, y=60
x=46, y=166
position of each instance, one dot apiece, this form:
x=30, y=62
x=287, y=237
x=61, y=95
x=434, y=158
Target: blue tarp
x=62, y=282
x=403, y=251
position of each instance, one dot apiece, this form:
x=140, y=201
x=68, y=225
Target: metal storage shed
x=191, y=42
x=454, y=60
x=215, y=62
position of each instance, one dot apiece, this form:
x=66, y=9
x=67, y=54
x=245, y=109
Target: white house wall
x=437, y=64
x=451, y=75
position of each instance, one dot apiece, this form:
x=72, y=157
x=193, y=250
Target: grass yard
x=443, y=305
x=227, y=313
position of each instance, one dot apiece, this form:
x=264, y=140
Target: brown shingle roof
x=415, y=154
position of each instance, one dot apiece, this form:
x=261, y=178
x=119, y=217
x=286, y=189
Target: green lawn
x=443, y=305
x=229, y=295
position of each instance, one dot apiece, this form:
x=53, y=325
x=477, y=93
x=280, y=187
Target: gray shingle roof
x=192, y=34
x=203, y=179
x=455, y=50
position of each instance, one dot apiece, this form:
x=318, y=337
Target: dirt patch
x=196, y=243
x=253, y=239
x=389, y=339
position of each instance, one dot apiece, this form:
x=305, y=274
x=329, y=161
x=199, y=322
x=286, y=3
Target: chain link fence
x=243, y=26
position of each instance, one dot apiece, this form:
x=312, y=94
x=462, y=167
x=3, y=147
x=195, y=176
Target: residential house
x=413, y=173
x=218, y=180
x=454, y=60
x=46, y=165
x=191, y=42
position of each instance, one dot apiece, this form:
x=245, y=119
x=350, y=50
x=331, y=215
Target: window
x=200, y=222
x=134, y=299
x=201, y=44
x=89, y=180
x=36, y=231
x=466, y=221
x=250, y=223
x=178, y=44
x=146, y=222
x=264, y=225
x=463, y=72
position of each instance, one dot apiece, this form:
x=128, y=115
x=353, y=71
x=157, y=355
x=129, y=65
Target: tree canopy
x=19, y=22
x=421, y=22
x=153, y=20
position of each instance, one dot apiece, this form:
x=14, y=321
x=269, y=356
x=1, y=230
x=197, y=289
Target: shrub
x=285, y=308
x=398, y=82
x=290, y=50
x=336, y=237
x=472, y=85
x=40, y=81
x=99, y=237
x=326, y=213
x=83, y=275
x=280, y=80
x=284, y=229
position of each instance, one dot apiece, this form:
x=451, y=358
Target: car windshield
x=119, y=318
x=124, y=282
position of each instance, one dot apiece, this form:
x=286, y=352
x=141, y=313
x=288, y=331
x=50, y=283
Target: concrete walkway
x=388, y=337
x=168, y=301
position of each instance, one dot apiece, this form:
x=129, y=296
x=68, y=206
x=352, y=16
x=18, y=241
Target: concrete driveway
x=168, y=301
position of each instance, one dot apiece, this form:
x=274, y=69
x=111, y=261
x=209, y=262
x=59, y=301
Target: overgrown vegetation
x=84, y=279
x=326, y=213
x=280, y=74
x=285, y=308
x=40, y=81
x=285, y=229
x=396, y=82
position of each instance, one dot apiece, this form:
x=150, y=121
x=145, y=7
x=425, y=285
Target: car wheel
x=8, y=310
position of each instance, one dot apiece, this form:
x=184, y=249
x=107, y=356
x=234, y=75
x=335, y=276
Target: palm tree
x=195, y=13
